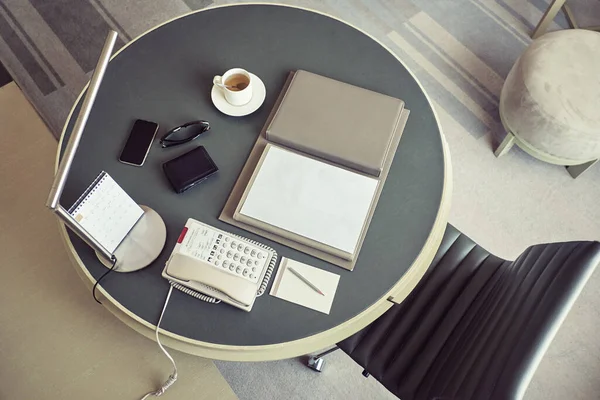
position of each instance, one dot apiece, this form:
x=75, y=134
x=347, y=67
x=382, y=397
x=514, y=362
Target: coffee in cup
x=237, y=82
x=236, y=85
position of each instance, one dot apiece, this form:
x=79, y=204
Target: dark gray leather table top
x=166, y=76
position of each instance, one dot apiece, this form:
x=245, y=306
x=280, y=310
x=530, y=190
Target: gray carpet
x=461, y=50
x=4, y=76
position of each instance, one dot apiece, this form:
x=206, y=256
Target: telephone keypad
x=237, y=257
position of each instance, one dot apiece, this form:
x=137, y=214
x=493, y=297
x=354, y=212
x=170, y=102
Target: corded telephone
x=212, y=264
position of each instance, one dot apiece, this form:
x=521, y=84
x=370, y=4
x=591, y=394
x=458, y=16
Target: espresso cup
x=240, y=79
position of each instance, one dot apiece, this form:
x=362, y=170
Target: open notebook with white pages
x=309, y=200
x=346, y=153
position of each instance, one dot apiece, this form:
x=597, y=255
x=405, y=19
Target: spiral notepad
x=106, y=211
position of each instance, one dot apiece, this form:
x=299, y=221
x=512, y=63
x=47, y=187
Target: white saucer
x=259, y=92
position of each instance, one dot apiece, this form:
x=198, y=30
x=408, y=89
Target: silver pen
x=303, y=279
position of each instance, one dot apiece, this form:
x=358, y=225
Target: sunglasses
x=184, y=133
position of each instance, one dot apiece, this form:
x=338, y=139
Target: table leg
x=576, y=170
x=570, y=16
x=505, y=145
x=548, y=17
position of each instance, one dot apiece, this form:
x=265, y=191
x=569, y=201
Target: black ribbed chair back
x=476, y=326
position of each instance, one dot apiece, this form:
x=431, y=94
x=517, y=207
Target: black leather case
x=189, y=169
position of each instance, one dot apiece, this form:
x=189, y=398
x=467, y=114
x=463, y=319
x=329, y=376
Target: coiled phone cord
x=173, y=377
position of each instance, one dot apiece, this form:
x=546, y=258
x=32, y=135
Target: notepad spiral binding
x=87, y=193
x=261, y=290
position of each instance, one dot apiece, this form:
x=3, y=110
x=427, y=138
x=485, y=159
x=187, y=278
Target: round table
x=165, y=75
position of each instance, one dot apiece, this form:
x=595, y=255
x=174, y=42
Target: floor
x=461, y=50
x=55, y=341
x=4, y=76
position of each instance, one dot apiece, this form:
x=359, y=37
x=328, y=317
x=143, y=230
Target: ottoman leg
x=547, y=19
x=576, y=170
x=505, y=146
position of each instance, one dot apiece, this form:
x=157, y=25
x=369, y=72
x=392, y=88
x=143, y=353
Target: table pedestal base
x=142, y=245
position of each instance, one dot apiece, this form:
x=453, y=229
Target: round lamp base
x=142, y=245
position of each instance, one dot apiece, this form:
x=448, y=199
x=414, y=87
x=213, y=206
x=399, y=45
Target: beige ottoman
x=550, y=101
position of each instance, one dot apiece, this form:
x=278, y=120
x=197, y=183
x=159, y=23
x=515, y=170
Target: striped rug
x=460, y=49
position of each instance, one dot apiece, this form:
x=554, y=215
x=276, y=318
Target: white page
x=288, y=286
x=310, y=198
x=108, y=213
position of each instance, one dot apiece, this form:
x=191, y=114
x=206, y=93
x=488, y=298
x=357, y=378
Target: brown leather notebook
x=336, y=121
x=228, y=214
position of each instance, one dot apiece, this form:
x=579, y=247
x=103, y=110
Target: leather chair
x=476, y=326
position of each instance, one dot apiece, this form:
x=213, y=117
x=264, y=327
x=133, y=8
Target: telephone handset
x=219, y=264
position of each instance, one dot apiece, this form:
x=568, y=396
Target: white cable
x=173, y=377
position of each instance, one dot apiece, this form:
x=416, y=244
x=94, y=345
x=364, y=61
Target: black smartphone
x=138, y=144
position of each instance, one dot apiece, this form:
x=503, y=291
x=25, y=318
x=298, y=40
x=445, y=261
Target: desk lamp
x=145, y=241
